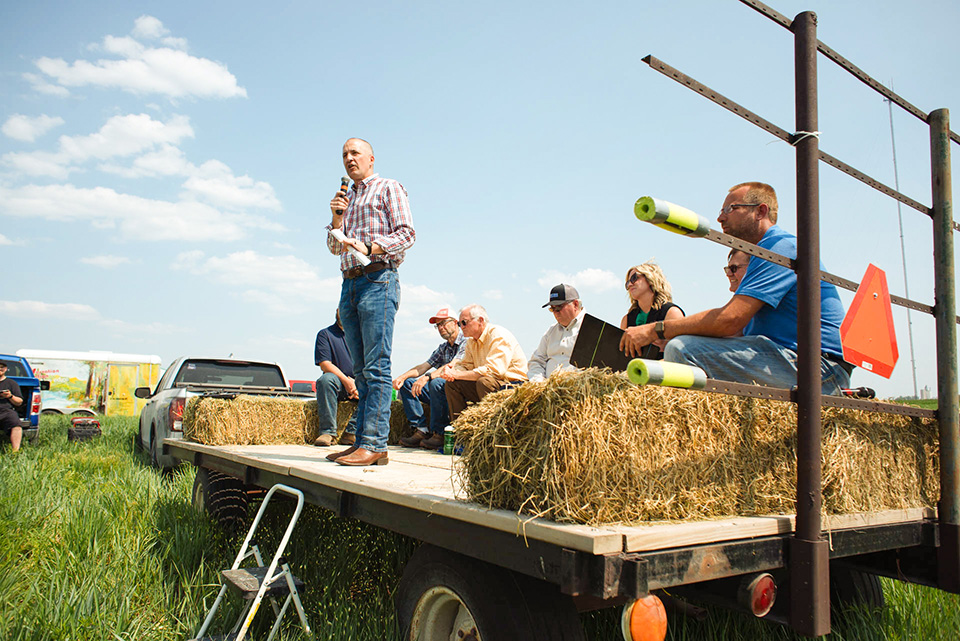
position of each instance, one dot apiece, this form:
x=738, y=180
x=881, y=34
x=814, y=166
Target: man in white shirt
x=553, y=352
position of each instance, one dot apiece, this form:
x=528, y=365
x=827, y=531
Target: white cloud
x=214, y=182
x=141, y=69
x=166, y=161
x=106, y=261
x=120, y=136
x=282, y=284
x=37, y=309
x=493, y=294
x=6, y=241
x=27, y=129
x=42, y=86
x=135, y=217
x=586, y=281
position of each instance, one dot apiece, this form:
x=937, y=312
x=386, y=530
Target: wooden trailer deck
x=424, y=481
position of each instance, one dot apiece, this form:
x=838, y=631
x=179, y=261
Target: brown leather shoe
x=364, y=457
x=325, y=440
x=346, y=452
x=414, y=439
x=347, y=439
x=435, y=442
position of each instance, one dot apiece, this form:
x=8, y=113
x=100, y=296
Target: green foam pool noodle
x=647, y=372
x=671, y=217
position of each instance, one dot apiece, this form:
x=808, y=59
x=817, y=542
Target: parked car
x=303, y=386
x=162, y=416
x=19, y=370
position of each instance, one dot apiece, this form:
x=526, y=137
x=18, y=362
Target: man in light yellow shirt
x=493, y=359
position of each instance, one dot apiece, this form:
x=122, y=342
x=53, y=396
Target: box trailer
x=90, y=383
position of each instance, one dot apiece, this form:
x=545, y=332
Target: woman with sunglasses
x=650, y=301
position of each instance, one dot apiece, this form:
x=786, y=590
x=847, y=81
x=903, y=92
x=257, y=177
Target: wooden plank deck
x=424, y=481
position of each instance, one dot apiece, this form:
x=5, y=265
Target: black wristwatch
x=658, y=328
x=369, y=249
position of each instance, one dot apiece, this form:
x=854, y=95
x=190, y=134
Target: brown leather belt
x=354, y=272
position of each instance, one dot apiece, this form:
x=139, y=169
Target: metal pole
x=809, y=555
x=903, y=250
x=945, y=307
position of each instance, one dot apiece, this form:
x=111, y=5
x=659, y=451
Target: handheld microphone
x=344, y=184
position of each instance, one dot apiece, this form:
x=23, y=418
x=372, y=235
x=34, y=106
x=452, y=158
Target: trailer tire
x=851, y=588
x=222, y=496
x=445, y=595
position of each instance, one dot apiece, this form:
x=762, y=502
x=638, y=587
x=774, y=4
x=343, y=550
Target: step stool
x=257, y=582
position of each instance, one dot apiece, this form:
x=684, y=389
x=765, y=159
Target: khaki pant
x=459, y=393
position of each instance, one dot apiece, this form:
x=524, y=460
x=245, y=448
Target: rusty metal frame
x=809, y=554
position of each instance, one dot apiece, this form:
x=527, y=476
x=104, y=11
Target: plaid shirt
x=447, y=353
x=378, y=213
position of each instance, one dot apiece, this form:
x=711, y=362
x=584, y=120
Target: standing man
x=334, y=385
x=416, y=386
x=374, y=216
x=764, y=307
x=492, y=360
x=10, y=399
x=556, y=346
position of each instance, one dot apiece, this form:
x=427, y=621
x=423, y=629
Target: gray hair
x=476, y=311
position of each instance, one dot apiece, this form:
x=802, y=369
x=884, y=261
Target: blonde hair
x=657, y=281
x=760, y=193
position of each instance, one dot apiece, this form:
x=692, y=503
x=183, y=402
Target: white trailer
x=90, y=383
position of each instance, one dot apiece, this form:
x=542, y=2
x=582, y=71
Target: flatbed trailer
x=590, y=567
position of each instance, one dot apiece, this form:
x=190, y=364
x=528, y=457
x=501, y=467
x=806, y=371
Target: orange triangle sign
x=867, y=334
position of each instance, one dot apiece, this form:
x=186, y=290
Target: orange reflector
x=644, y=620
x=867, y=333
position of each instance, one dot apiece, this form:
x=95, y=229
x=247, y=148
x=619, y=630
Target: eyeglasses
x=634, y=277
x=730, y=270
x=729, y=208
x=556, y=308
x=440, y=324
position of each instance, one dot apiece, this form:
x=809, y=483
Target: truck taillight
x=35, y=403
x=176, y=414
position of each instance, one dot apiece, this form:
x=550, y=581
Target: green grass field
x=95, y=545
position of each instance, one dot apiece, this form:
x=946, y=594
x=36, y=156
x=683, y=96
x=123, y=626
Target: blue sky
x=165, y=168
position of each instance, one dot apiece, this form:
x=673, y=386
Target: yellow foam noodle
x=648, y=372
x=671, y=217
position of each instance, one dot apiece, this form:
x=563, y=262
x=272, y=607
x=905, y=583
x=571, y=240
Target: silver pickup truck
x=162, y=416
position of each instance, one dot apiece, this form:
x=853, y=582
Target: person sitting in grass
x=10, y=399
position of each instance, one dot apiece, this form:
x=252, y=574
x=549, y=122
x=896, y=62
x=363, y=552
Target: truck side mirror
x=44, y=385
x=142, y=392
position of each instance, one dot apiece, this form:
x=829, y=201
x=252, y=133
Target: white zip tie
x=805, y=134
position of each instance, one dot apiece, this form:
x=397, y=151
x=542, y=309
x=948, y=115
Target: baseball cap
x=442, y=314
x=563, y=293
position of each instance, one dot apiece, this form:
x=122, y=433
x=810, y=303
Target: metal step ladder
x=256, y=582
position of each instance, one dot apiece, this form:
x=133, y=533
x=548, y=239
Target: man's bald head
x=358, y=159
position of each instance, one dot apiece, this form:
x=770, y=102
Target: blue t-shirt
x=776, y=286
x=332, y=346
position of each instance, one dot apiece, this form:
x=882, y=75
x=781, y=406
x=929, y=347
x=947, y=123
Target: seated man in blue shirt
x=334, y=385
x=763, y=308
x=416, y=386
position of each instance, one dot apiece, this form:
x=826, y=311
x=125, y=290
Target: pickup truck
x=19, y=370
x=162, y=416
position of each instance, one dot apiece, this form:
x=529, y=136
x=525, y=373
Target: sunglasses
x=730, y=270
x=634, y=277
x=464, y=323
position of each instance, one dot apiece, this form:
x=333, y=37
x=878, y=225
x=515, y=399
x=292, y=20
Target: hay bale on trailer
x=266, y=420
x=589, y=447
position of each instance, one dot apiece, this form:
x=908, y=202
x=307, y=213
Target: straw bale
x=589, y=447
x=263, y=420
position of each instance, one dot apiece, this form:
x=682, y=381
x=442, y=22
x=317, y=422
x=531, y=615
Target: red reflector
x=175, y=414
x=763, y=593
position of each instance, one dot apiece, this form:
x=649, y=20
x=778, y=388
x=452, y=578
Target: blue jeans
x=368, y=305
x=434, y=395
x=330, y=392
x=750, y=359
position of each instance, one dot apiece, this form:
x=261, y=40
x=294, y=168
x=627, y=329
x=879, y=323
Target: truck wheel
x=855, y=589
x=445, y=595
x=221, y=496
x=154, y=454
